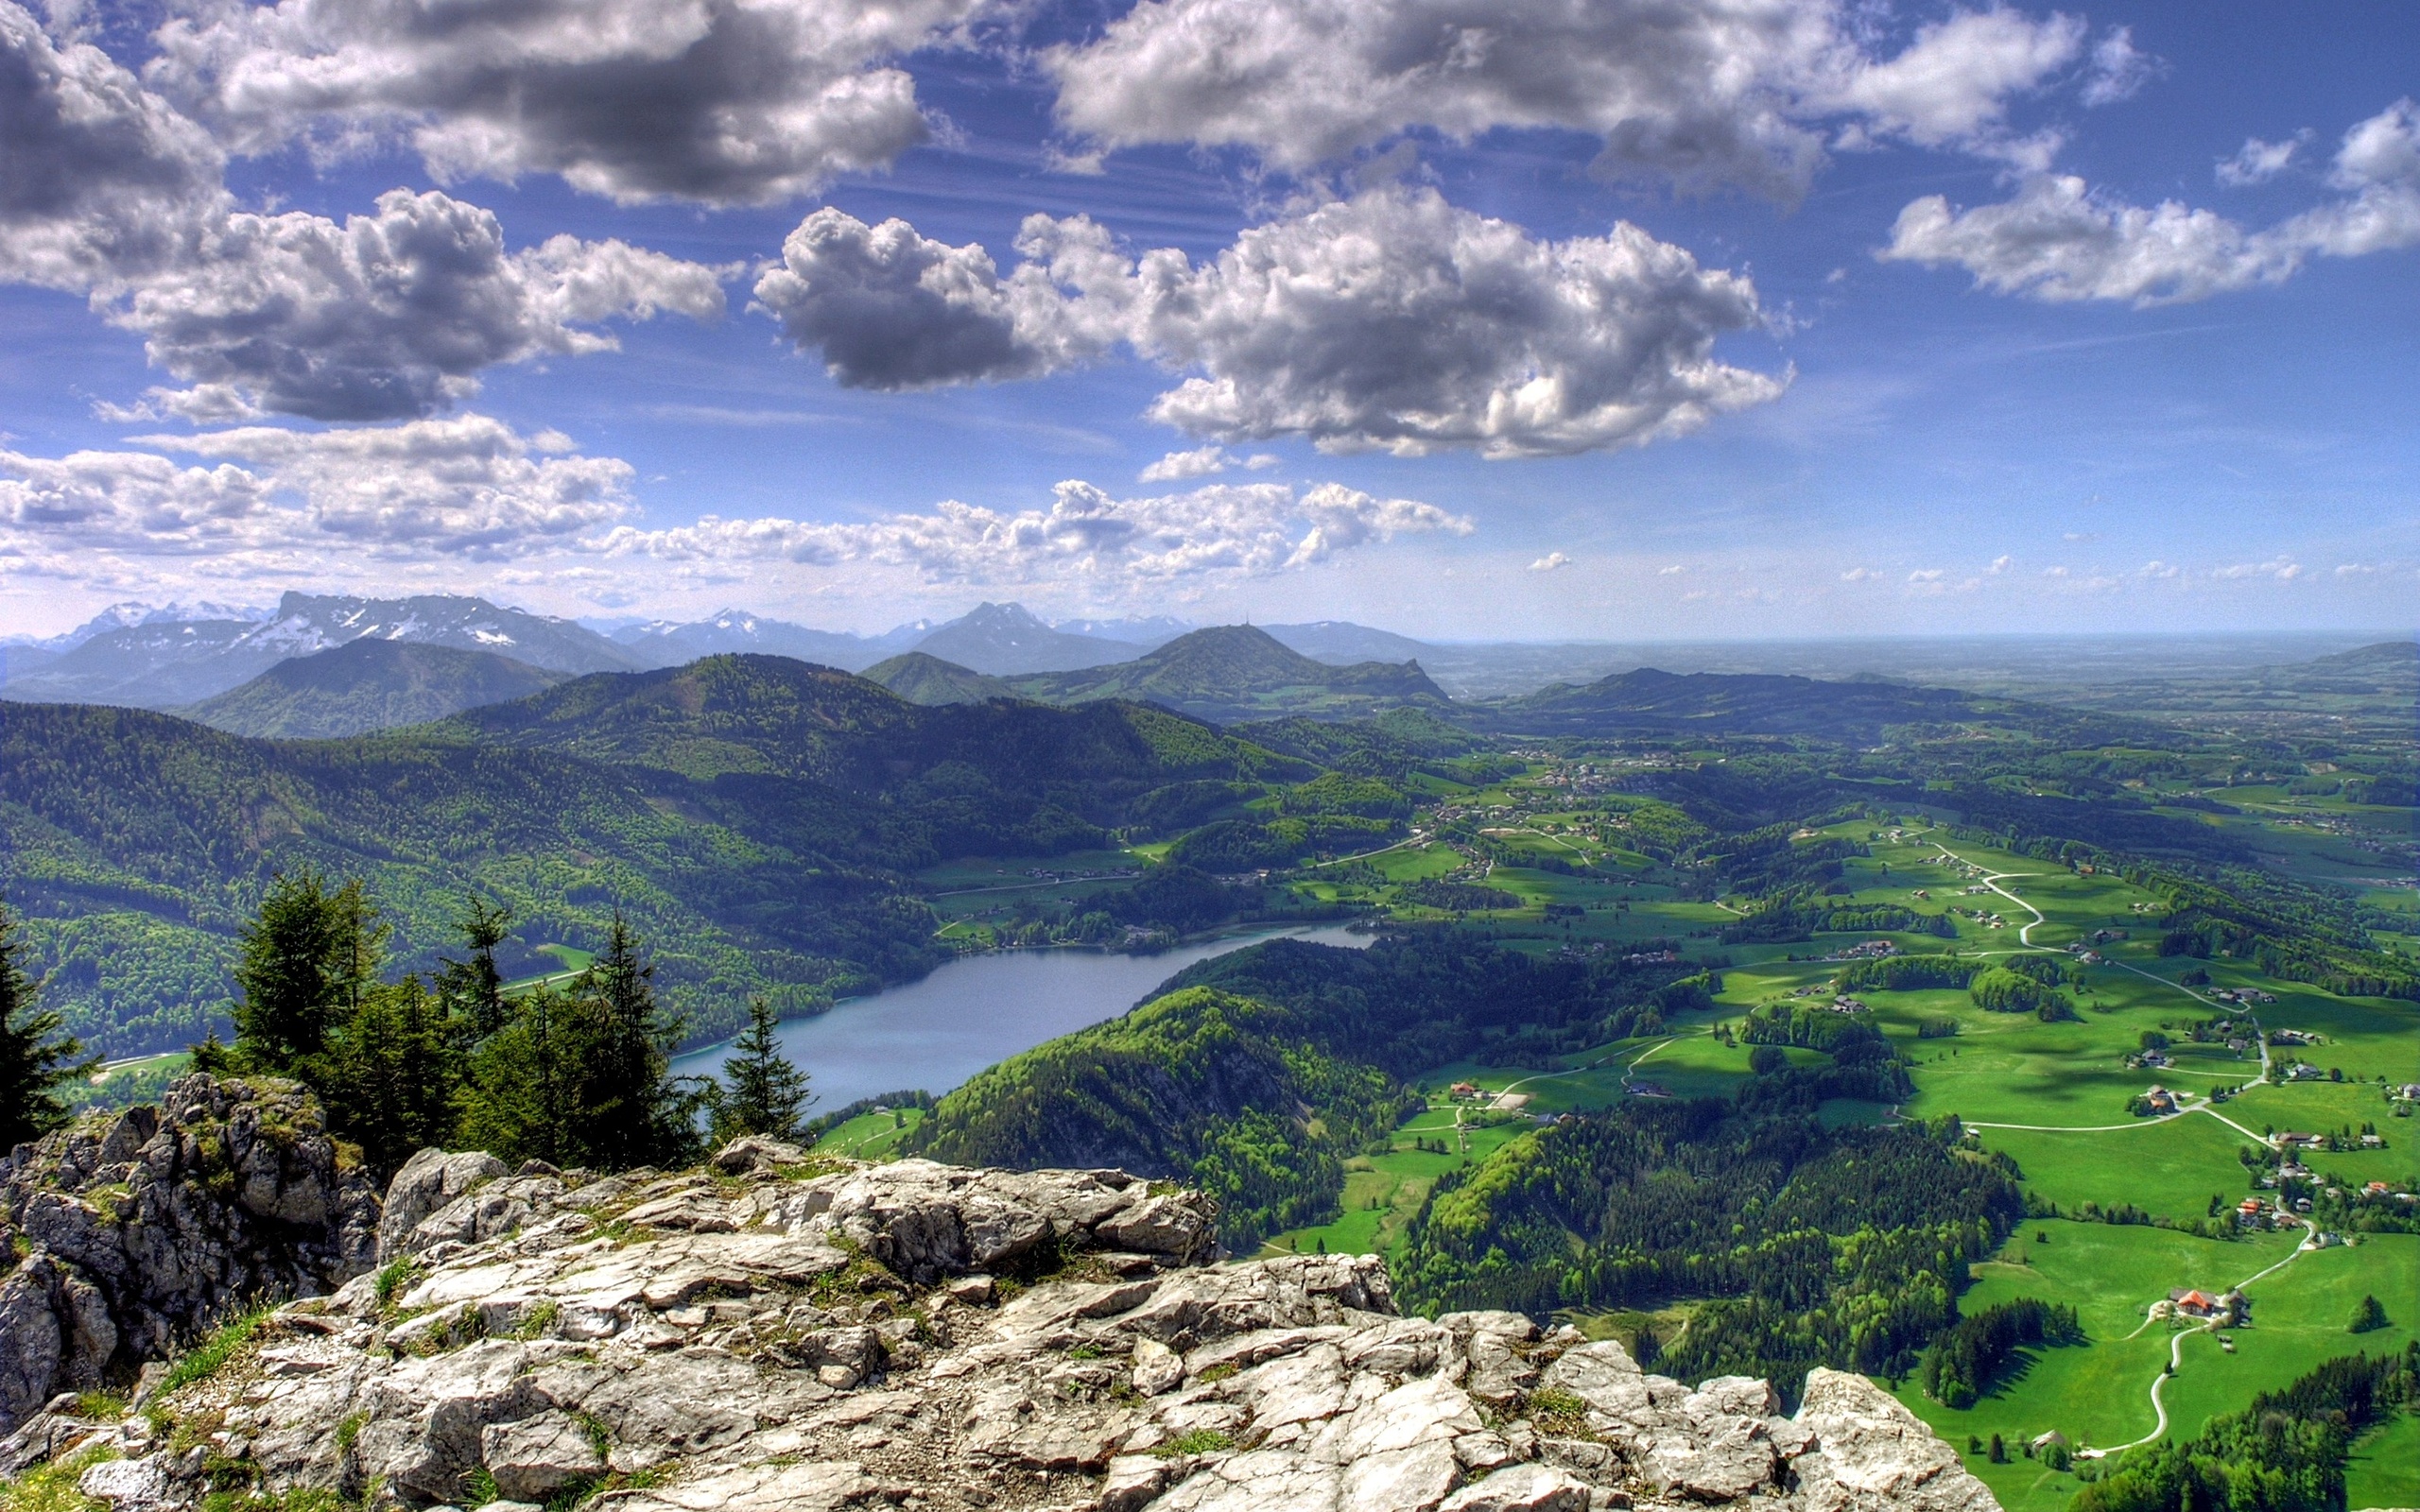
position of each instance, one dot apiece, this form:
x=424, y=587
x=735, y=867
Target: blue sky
x=2049, y=403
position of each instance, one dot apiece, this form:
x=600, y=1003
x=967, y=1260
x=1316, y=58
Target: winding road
x=2311, y=1239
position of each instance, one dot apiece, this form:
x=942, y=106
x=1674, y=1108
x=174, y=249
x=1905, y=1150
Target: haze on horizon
x=1457, y=320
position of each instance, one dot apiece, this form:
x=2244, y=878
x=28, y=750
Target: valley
x=1757, y=1022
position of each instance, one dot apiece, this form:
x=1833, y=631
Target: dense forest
x=1810, y=1246
x=1258, y=1073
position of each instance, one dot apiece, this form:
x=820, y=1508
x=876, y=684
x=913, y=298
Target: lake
x=977, y=1011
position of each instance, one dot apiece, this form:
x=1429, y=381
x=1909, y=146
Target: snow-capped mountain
x=164, y=663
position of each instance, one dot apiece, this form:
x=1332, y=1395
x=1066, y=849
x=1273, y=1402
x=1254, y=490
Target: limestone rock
x=148, y=1226
x=782, y=1337
x=430, y=1180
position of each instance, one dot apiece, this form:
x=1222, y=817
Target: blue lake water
x=975, y=1012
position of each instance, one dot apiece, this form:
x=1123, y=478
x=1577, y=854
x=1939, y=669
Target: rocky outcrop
x=131, y=1233
x=780, y=1334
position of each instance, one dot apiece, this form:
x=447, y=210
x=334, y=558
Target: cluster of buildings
x=2222, y=1310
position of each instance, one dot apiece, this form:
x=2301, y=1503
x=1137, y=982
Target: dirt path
x=2176, y=1349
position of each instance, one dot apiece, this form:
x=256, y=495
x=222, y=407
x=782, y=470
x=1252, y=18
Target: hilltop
x=367, y=685
x=927, y=680
x=1236, y=672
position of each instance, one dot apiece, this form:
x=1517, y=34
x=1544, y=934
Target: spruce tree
x=36, y=1057
x=763, y=1093
x=389, y=1077
x=305, y=963
x=2368, y=1317
x=472, y=990
x=632, y=1111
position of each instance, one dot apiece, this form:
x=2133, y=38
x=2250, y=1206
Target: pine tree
x=390, y=1075
x=2368, y=1317
x=632, y=1111
x=36, y=1059
x=518, y=1100
x=305, y=963
x=763, y=1091
x=472, y=990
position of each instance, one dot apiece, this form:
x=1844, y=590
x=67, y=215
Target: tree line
x=572, y=1073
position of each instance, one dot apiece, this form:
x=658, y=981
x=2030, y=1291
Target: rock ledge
x=781, y=1333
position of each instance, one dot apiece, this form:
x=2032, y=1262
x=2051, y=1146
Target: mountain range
x=163, y=663
x=365, y=686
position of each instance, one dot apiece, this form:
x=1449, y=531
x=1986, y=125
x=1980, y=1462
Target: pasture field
x=870, y=1136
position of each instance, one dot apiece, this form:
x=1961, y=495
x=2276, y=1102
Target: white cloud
x=126, y=501
x=2119, y=70
x=2000, y=564
x=1552, y=561
x=1202, y=462
x=464, y=485
x=1087, y=535
x=2058, y=241
x=1859, y=574
x=388, y=315
x=2258, y=162
x=1698, y=93
x=1927, y=575
x=101, y=179
x=109, y=193
x=722, y=101
x=1390, y=320
x=1674, y=571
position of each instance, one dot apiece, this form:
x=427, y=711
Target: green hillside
x=1236, y=672
x=756, y=817
x=930, y=680
x=1650, y=703
x=365, y=686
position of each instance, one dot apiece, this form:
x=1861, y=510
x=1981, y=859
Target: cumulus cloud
x=2058, y=241
x=1390, y=320
x=109, y=193
x=387, y=315
x=1202, y=462
x=101, y=177
x=1241, y=530
x=722, y=101
x=120, y=501
x=464, y=485
x=892, y=308
x=1698, y=93
x=2258, y=162
x=1552, y=561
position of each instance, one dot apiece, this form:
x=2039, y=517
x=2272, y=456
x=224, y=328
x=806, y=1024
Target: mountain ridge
x=365, y=686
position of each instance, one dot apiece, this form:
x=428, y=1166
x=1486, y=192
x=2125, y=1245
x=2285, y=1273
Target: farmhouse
x=2161, y=1100
x=2192, y=1304
x=2293, y=1140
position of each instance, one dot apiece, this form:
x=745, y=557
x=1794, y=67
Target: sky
x=1468, y=318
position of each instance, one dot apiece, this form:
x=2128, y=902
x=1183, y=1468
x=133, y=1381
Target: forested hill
x=754, y=816
x=1233, y=672
x=368, y=684
x=770, y=714
x=1857, y=711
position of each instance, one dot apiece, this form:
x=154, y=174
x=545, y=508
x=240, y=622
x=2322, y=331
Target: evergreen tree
x=763, y=1091
x=2368, y=1317
x=472, y=990
x=632, y=1111
x=388, y=1078
x=305, y=962
x=518, y=1101
x=36, y=1059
